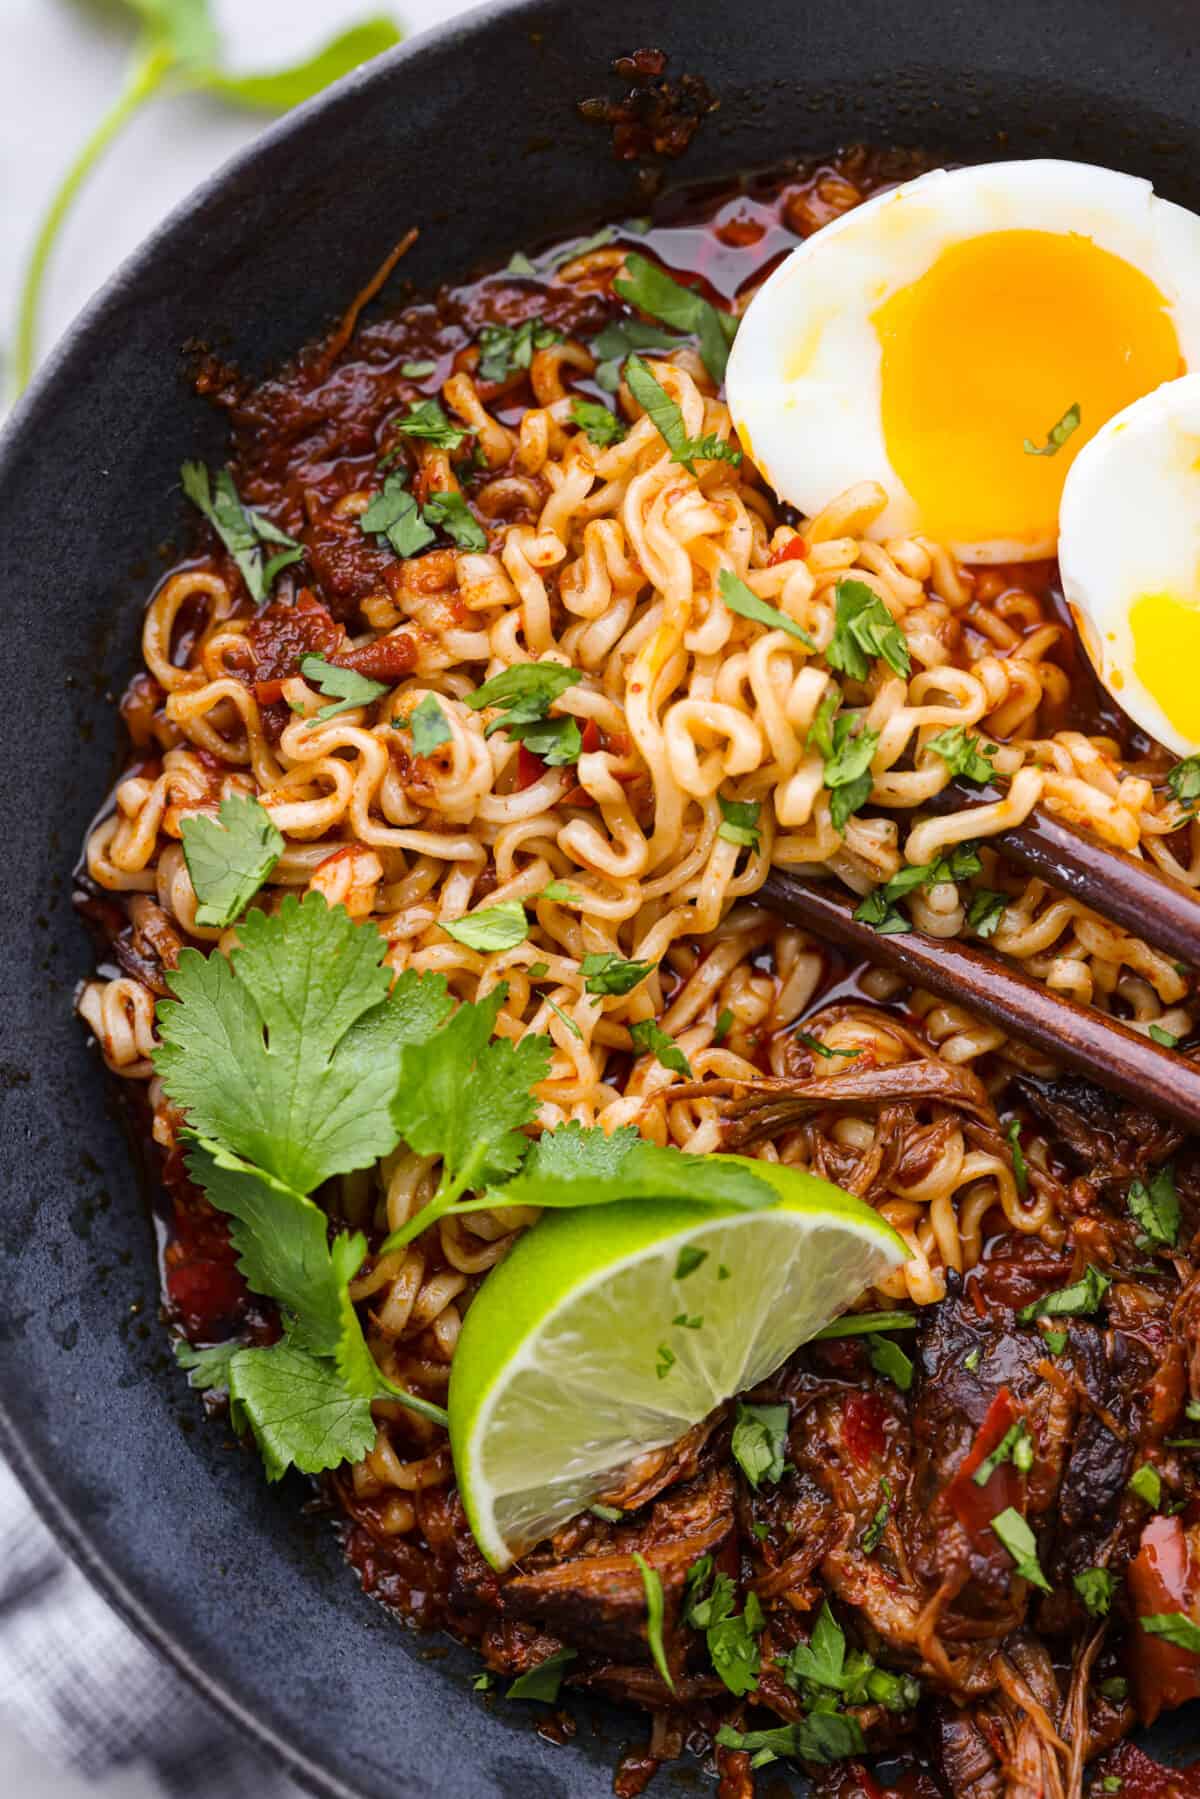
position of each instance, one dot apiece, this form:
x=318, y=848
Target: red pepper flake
x=530, y=768
x=794, y=550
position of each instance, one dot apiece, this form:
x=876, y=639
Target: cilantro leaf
x=887, y=1358
x=864, y=629
x=653, y=291
x=618, y=340
x=652, y=1582
x=822, y=1659
x=1057, y=435
x=723, y=1025
x=734, y=1650
x=1021, y=1544
x=745, y=602
x=1076, y=1301
x=985, y=911
x=525, y=693
x=426, y=420
x=241, y=531
x=872, y=1536
x=860, y=1324
x=822, y=1737
x=299, y=1408
x=1015, y=1446
x=1174, y=1627
x=759, y=1442
x=429, y=727
x=491, y=928
x=449, y=510
x=878, y=909
x=229, y=857
x=960, y=750
x=393, y=514
x=207, y=1369
x=652, y=1040
x=1146, y=1482
x=1156, y=1206
x=345, y=685
x=544, y=1681
x=667, y=418
x=464, y=1096
x=1183, y=782
x=288, y=1053
x=848, y=767
x=605, y=973
x=1096, y=1587
x=572, y=1166
x=739, y=822
x=601, y=426
x=504, y=349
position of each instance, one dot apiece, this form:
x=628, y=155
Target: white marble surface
x=61, y=65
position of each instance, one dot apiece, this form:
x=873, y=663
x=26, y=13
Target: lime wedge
x=586, y=1348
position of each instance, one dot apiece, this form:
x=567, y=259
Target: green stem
x=145, y=77
x=442, y=1201
x=435, y=1413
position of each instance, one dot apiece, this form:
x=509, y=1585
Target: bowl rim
x=36, y=405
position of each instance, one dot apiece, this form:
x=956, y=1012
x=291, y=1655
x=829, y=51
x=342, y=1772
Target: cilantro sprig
x=523, y=695
x=345, y=686
x=229, y=857
x=179, y=48
x=653, y=291
x=879, y=908
x=243, y=532
x=863, y=630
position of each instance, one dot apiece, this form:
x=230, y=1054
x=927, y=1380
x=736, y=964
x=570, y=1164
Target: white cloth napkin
x=75, y=1681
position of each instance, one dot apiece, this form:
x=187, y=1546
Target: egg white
x=804, y=376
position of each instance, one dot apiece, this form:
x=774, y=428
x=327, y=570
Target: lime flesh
x=575, y=1358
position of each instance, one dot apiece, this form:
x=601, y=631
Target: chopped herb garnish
x=822, y=1049
x=1021, y=1544
x=1155, y=1207
x=872, y=1536
x=848, y=765
x=688, y=1260
x=972, y=1358
x=243, y=532
x=1116, y=1689
x=1167, y=1039
x=525, y=694
x=985, y=911
x=653, y=291
x=565, y=1019
x=544, y=1681
x=448, y=510
x=822, y=1737
x=739, y=822
x=723, y=1025
x=503, y=349
x=394, y=516
x=723, y=1273
x=482, y=1683
x=1055, y=1341
x=858, y=1324
x=428, y=725
x=1078, y=1300
x=1183, y=785
x=863, y=630
x=536, y=970
x=665, y=1362
x=601, y=427
x=604, y=972
x=667, y=418
x=821, y=1666
x=759, y=1443
x=427, y=421
x=745, y=602
x=1016, y=1446
x=879, y=910
x=761, y=1530
x=733, y=1647
x=1146, y=1482
x=1096, y=1587
x=961, y=752
x=652, y=1582
x=417, y=371
x=1057, y=435
x=651, y=1039
x=887, y=1358
x=607, y=1514
x=619, y=339
x=1012, y=1136
x=345, y=685
x=491, y=928
x=229, y=857
x=557, y=891
x=1174, y=1627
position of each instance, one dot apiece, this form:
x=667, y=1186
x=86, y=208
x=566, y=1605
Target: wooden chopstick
x=1119, y=886
x=1075, y=1036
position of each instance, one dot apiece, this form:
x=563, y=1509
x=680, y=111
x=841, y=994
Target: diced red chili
x=795, y=550
x=975, y=1506
x=1164, y=1577
x=530, y=768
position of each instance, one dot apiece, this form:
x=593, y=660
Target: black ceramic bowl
x=472, y=134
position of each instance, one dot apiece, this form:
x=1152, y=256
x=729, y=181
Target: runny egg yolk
x=992, y=345
x=1166, y=656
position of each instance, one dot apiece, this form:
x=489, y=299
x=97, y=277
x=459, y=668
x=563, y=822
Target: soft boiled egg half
x=1129, y=552
x=960, y=340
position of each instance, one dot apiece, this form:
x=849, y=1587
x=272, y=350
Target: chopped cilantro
x=1012, y=1136
x=652, y=1040
x=505, y=349
x=604, y=972
x=745, y=602
x=1174, y=1627
x=847, y=764
x=1096, y=1587
x=449, y=510
x=652, y=1582
x=871, y=1537
x=1015, y=1446
x=571, y=1166
x=564, y=1018
x=985, y=911
x=739, y=822
x=427, y=421
x=536, y=970
x=1167, y=1039
x=619, y=339
x=653, y=291
x=859, y=1324
x=1155, y=1207
x=759, y=1443
x=544, y=1681
x=1055, y=1341
x=600, y=426
x=525, y=694
x=1146, y=1482
x=345, y=686
x=667, y=418
x=482, y=1683
x=393, y=514
x=864, y=629
x=734, y=1650
x=822, y=1737
x=607, y=1514
x=887, y=1358
x=723, y=1025
x=491, y=928
x=1057, y=435
x=1183, y=782
x=229, y=857
x=1078, y=1300
x=557, y=891
x=961, y=753
x=243, y=532
x=1021, y=1544
x=879, y=910
x=972, y=1358
x=429, y=726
